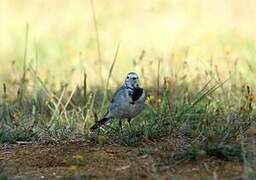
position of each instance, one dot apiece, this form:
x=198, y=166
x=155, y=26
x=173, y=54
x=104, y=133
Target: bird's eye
x=134, y=78
x=127, y=77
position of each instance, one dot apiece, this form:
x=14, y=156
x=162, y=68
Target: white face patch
x=132, y=80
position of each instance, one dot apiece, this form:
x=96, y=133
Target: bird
x=127, y=102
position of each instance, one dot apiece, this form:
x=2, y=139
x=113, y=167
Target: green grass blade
x=109, y=76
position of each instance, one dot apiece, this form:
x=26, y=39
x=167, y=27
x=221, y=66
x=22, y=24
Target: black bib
x=136, y=93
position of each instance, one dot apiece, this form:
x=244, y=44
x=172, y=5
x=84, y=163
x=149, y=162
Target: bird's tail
x=99, y=123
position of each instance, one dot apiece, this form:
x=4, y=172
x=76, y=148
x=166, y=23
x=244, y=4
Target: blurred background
x=58, y=39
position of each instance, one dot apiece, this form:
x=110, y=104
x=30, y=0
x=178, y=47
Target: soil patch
x=87, y=160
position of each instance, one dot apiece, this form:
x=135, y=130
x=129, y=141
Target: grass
x=60, y=115
x=208, y=119
x=210, y=116
x=3, y=174
x=206, y=100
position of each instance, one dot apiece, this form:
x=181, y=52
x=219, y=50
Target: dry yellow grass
x=62, y=36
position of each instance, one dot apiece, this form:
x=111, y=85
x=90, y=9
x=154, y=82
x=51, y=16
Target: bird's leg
x=120, y=124
x=120, y=127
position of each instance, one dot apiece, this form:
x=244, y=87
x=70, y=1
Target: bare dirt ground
x=87, y=160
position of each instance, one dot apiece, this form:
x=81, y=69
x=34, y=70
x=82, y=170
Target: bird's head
x=132, y=80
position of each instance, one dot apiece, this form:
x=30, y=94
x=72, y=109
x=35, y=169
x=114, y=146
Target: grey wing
x=119, y=102
x=117, y=94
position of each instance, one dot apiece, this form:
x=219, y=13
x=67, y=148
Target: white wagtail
x=127, y=101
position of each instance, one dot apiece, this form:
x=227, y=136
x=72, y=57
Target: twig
x=97, y=39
